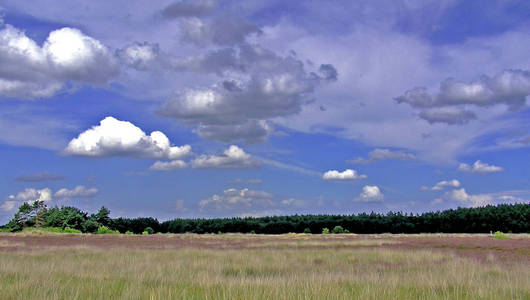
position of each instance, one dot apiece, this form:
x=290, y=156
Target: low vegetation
x=500, y=236
x=276, y=267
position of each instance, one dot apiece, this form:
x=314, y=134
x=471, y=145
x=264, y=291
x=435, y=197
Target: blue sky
x=227, y=108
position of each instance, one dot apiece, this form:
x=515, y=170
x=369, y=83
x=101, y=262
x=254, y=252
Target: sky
x=214, y=108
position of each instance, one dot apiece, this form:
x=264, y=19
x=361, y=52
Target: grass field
x=74, y=266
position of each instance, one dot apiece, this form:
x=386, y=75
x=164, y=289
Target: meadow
x=47, y=265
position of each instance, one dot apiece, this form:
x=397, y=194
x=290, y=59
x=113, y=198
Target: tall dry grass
x=272, y=273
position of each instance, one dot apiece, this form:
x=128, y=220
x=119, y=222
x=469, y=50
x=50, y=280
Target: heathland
x=37, y=264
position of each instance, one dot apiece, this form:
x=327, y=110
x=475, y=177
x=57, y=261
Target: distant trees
x=506, y=218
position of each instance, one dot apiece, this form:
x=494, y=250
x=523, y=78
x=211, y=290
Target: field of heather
x=39, y=265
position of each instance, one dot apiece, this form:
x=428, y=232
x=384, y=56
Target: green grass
x=278, y=273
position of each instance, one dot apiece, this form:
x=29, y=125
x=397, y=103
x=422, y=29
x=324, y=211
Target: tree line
x=513, y=218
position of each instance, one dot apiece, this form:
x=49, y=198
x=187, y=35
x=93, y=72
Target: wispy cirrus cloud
x=39, y=177
x=383, y=154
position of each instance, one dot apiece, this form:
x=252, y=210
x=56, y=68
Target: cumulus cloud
x=258, y=85
x=463, y=197
x=234, y=199
x=77, y=192
x=38, y=177
x=511, y=87
x=30, y=71
x=370, y=193
x=383, y=154
x=31, y=195
x=446, y=184
x=347, y=174
x=479, y=167
x=46, y=195
x=113, y=137
x=168, y=165
x=233, y=158
x=141, y=56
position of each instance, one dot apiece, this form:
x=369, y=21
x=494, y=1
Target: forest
x=510, y=218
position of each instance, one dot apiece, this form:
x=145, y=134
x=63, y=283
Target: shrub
x=145, y=233
x=500, y=236
x=307, y=230
x=129, y=233
x=149, y=230
x=106, y=230
x=346, y=231
x=61, y=230
x=338, y=229
x=252, y=232
x=71, y=230
x=219, y=232
x=325, y=230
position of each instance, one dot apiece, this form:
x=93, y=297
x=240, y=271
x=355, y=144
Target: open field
x=39, y=265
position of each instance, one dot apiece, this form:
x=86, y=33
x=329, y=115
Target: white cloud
x=479, y=167
x=233, y=199
x=233, y=157
x=76, y=56
x=8, y=205
x=120, y=138
x=30, y=71
x=77, y=192
x=140, y=56
x=370, y=193
x=168, y=166
x=446, y=184
x=31, y=195
x=46, y=195
x=510, y=198
x=347, y=174
x=463, y=197
x=383, y=154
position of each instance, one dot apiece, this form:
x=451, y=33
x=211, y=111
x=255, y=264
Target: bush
x=500, y=236
x=129, y=233
x=346, y=231
x=106, y=230
x=71, y=230
x=60, y=230
x=325, y=230
x=252, y=232
x=338, y=229
x=149, y=230
x=145, y=233
x=307, y=230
